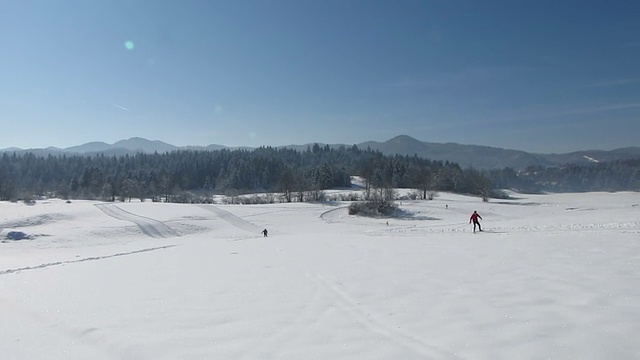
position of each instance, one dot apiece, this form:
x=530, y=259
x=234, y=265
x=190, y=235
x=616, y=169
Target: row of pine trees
x=168, y=176
x=266, y=169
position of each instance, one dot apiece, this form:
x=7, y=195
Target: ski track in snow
x=336, y=216
x=333, y=215
x=370, y=322
x=148, y=226
x=306, y=318
x=35, y=220
x=453, y=228
x=232, y=219
x=93, y=258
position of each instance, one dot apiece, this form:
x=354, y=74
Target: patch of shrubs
x=373, y=208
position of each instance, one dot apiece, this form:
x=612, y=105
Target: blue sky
x=540, y=76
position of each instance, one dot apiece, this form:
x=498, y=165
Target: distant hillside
x=96, y=146
x=135, y=144
x=590, y=156
x=480, y=157
x=486, y=157
x=123, y=147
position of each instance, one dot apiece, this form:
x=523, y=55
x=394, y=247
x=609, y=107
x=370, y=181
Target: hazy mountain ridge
x=481, y=157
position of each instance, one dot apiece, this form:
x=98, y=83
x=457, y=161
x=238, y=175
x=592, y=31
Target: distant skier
x=264, y=232
x=474, y=217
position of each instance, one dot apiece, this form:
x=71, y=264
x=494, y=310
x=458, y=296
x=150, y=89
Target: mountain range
x=480, y=157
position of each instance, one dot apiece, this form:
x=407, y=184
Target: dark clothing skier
x=474, y=217
x=264, y=232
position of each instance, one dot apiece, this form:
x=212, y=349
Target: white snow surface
x=552, y=277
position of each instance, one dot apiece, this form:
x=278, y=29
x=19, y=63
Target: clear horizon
x=542, y=77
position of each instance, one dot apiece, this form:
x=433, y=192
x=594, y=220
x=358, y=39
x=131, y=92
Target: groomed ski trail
x=148, y=226
x=232, y=219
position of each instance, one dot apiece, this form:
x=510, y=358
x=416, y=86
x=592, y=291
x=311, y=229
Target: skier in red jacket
x=474, y=217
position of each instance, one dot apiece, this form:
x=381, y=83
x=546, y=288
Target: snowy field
x=552, y=277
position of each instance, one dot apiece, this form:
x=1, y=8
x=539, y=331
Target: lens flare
x=129, y=45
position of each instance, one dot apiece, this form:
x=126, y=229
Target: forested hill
x=486, y=157
x=619, y=175
x=223, y=171
x=479, y=157
x=171, y=174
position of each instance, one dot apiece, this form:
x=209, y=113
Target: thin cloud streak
x=121, y=107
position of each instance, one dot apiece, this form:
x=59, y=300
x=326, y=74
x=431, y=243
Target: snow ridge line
x=148, y=226
x=93, y=258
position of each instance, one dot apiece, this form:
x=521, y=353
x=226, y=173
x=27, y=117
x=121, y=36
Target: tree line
x=620, y=175
x=176, y=176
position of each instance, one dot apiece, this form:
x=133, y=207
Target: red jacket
x=474, y=217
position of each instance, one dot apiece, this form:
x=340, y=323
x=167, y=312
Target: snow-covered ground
x=552, y=277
